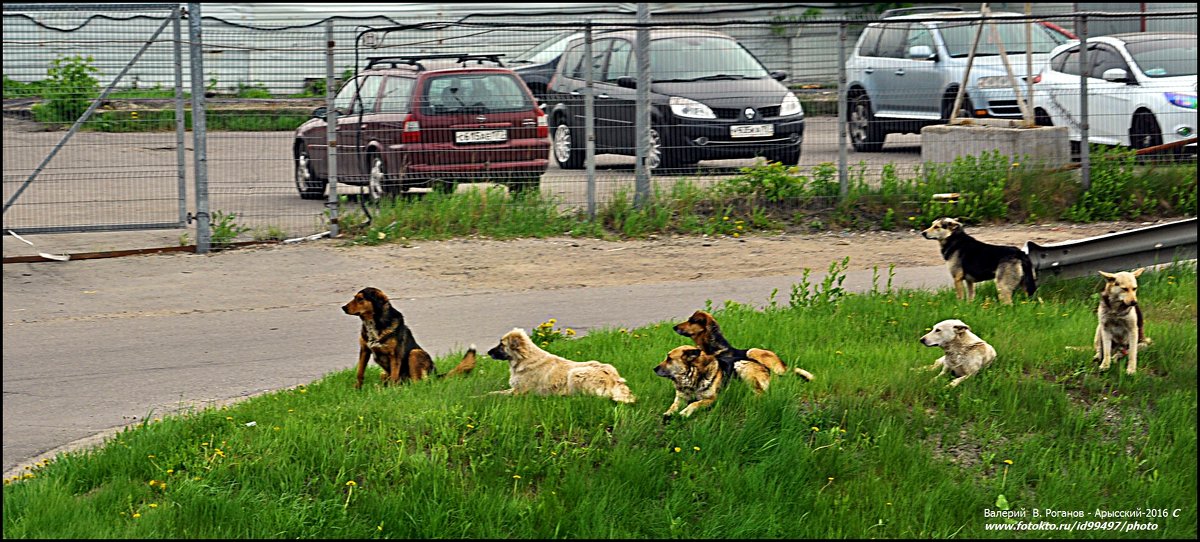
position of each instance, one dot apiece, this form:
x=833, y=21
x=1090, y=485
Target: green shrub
x=69, y=89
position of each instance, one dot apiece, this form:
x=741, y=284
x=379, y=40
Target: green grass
x=871, y=448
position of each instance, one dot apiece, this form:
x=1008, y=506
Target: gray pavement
x=91, y=346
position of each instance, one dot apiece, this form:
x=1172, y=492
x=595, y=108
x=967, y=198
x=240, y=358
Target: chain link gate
x=67, y=182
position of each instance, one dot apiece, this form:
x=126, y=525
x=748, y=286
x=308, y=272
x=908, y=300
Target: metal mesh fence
x=729, y=90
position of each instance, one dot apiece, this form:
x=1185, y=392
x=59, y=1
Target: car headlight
x=790, y=106
x=1178, y=99
x=997, y=81
x=683, y=107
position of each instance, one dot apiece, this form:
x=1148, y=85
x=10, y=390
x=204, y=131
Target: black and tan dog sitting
x=385, y=335
x=702, y=328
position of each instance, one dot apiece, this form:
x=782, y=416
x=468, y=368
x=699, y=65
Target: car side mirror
x=627, y=82
x=920, y=52
x=778, y=75
x=1116, y=75
x=319, y=113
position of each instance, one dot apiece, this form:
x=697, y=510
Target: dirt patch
x=538, y=264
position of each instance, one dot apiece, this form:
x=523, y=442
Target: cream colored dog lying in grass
x=965, y=353
x=531, y=369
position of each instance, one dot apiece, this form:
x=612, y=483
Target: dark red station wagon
x=427, y=121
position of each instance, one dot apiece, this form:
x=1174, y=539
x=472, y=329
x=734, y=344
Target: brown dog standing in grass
x=385, y=335
x=702, y=328
x=1120, y=329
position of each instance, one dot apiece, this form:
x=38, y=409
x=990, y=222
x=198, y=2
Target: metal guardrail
x=1153, y=245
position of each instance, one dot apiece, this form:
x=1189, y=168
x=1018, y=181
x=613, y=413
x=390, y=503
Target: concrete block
x=1040, y=144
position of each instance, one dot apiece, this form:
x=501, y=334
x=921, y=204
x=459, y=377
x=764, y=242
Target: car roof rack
x=918, y=9
x=415, y=60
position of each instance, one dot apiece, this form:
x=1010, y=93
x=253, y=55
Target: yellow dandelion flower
x=170, y=471
x=381, y=235
x=552, y=321
x=830, y=478
x=815, y=428
x=162, y=486
x=277, y=428
x=739, y=227
x=1008, y=461
x=696, y=448
x=136, y=515
x=735, y=235
x=911, y=218
x=516, y=477
x=677, y=449
x=153, y=505
x=153, y=483
x=351, y=483
x=837, y=352
x=302, y=390
x=291, y=410
x=904, y=304
x=569, y=332
x=229, y=418
x=28, y=475
x=724, y=218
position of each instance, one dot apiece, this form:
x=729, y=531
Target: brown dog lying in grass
x=384, y=335
x=702, y=328
x=699, y=377
x=533, y=370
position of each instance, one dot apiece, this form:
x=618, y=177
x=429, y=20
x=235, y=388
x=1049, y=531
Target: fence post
x=180, y=116
x=589, y=121
x=1085, y=163
x=642, y=125
x=331, y=122
x=199, y=136
x=843, y=159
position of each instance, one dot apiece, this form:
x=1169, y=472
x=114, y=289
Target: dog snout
x=497, y=353
x=679, y=329
x=346, y=308
x=662, y=371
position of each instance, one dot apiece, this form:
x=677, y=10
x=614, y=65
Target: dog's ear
x=961, y=328
x=1138, y=272
x=1108, y=276
x=690, y=354
x=952, y=223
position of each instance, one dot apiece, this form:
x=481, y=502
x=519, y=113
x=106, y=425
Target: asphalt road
x=97, y=345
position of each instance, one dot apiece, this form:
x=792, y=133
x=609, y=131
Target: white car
x=1141, y=90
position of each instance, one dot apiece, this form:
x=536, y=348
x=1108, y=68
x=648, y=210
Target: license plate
x=481, y=136
x=752, y=130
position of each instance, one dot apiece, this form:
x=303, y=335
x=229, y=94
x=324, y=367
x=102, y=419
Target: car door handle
x=602, y=95
x=869, y=71
x=900, y=71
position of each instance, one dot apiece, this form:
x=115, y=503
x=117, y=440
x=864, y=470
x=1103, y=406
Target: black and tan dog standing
x=385, y=335
x=971, y=260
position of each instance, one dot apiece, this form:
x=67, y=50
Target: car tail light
x=412, y=131
x=543, y=126
x=1037, y=79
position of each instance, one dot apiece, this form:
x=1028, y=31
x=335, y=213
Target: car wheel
x=964, y=109
x=663, y=156
x=567, y=151
x=308, y=183
x=789, y=156
x=1144, y=131
x=379, y=183
x=1041, y=118
x=865, y=132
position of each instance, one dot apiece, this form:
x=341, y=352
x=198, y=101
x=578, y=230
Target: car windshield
x=697, y=58
x=959, y=37
x=476, y=93
x=1164, y=58
x=547, y=50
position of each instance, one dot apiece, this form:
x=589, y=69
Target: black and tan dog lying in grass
x=699, y=377
x=385, y=336
x=703, y=330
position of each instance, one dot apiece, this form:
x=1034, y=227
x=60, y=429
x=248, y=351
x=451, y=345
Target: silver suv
x=906, y=69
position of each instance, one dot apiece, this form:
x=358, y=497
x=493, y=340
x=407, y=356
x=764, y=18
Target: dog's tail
x=465, y=366
x=1028, y=278
x=803, y=374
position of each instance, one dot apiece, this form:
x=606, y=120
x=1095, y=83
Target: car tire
x=308, y=183
x=789, y=156
x=1144, y=131
x=664, y=156
x=866, y=134
x=379, y=182
x=566, y=146
x=1041, y=118
x=964, y=111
